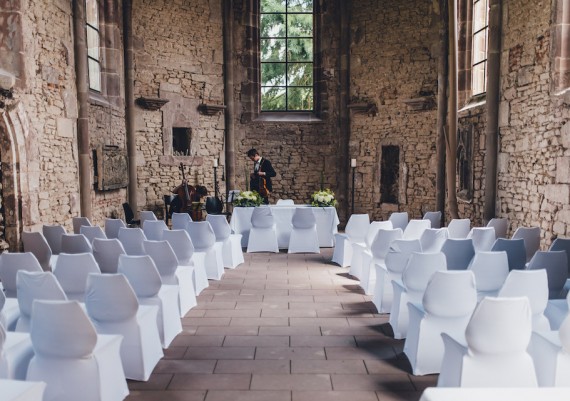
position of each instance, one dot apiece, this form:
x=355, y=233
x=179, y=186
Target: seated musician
x=261, y=177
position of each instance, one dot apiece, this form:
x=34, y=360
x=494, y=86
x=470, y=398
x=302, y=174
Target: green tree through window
x=286, y=55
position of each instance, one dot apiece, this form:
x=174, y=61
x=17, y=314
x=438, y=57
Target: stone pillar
x=130, y=103
x=344, y=113
x=442, y=86
x=229, y=145
x=451, y=158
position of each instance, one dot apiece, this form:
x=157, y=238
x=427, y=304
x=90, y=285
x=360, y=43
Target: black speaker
x=214, y=205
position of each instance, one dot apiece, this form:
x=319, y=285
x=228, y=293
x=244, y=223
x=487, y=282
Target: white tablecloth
x=327, y=221
x=496, y=394
x=15, y=390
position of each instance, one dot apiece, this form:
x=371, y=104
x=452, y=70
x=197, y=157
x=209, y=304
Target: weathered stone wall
x=394, y=58
x=179, y=57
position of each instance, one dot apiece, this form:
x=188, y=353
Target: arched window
x=93, y=44
x=480, y=41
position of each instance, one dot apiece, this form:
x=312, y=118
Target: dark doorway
x=389, y=174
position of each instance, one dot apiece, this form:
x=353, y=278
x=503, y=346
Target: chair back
x=562, y=244
x=399, y=220
x=490, y=269
x=129, y=214
x=146, y=215
x=153, y=229
x=563, y=334
x=501, y=226
x=285, y=202
x=459, y=228
x=106, y=253
x=383, y=240
x=530, y=283
x=357, y=227
x=399, y=254
x=78, y=222
x=72, y=271
x=112, y=227
x=202, y=235
x=164, y=258
x=515, y=249
x=434, y=217
x=556, y=265
x=220, y=226
x=483, y=238
x=261, y=217
x=110, y=298
x=416, y=228
x=132, y=240
x=52, y=234
x=421, y=267
x=142, y=275
x=432, y=239
x=75, y=243
x=373, y=229
x=303, y=218
x=450, y=294
x=180, y=221
x=92, y=232
x=458, y=253
x=36, y=285
x=531, y=237
x=10, y=264
x=181, y=244
x=36, y=243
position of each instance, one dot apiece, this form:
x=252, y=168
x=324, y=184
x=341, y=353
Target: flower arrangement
x=323, y=198
x=248, y=199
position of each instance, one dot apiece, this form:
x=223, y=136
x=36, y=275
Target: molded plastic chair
x=153, y=229
x=92, y=232
x=113, y=307
x=112, y=227
x=375, y=253
x=172, y=273
x=483, y=238
x=416, y=228
x=75, y=243
x=36, y=243
x=434, y=217
x=146, y=215
x=355, y=231
x=232, y=254
x=147, y=284
x=206, y=252
x=106, y=252
x=458, y=253
x=10, y=264
x=458, y=228
x=72, y=271
x=180, y=221
x=32, y=286
x=132, y=240
x=399, y=220
x=415, y=278
x=501, y=226
x=361, y=250
x=15, y=354
x=550, y=352
x=562, y=244
x=515, y=249
x=9, y=312
x=491, y=270
x=531, y=237
x=433, y=239
x=285, y=202
x=447, y=306
x=534, y=285
x=263, y=233
x=78, y=222
x=182, y=246
x=556, y=265
x=493, y=352
x=304, y=236
x=556, y=311
x=52, y=234
x=74, y=361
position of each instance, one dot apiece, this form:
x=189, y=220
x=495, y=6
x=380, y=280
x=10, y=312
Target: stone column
x=130, y=103
x=442, y=86
x=228, y=27
x=344, y=113
x=451, y=158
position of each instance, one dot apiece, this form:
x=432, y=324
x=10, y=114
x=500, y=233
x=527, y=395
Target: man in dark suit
x=261, y=177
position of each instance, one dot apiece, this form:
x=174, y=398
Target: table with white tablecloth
x=327, y=222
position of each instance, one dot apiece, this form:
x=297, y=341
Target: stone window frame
x=93, y=36
x=560, y=49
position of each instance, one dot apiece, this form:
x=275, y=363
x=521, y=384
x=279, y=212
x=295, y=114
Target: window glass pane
x=300, y=49
x=300, y=99
x=273, y=74
x=479, y=15
x=478, y=78
x=299, y=25
x=300, y=5
x=273, y=25
x=92, y=13
x=273, y=99
x=300, y=74
x=480, y=46
x=94, y=75
x=93, y=43
x=273, y=6
x=273, y=49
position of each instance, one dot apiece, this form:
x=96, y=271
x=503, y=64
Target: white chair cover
x=92, y=232
x=78, y=222
x=263, y=233
x=556, y=311
x=434, y=217
x=458, y=228
x=447, y=305
x=458, y=253
x=15, y=354
x=132, y=240
x=75, y=362
x=112, y=227
x=72, y=271
x=376, y=253
x=10, y=264
x=416, y=228
x=361, y=250
x=52, y=234
x=285, y=202
x=491, y=270
x=106, y=253
x=32, y=286
x=146, y=215
x=433, y=239
x=113, y=308
x=232, y=254
x=562, y=244
x=75, y=243
x=304, y=236
x=357, y=226
x=147, y=284
x=206, y=252
x=515, y=249
x=483, y=238
x=534, y=285
x=494, y=350
x=556, y=265
x=399, y=220
x=180, y=221
x=531, y=237
x=9, y=312
x=154, y=229
x=36, y=243
x=501, y=226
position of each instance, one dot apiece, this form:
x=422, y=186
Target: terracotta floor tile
x=291, y=382
x=378, y=352
x=291, y=353
x=288, y=313
x=206, y=321
x=262, y=305
x=261, y=321
x=166, y=395
x=256, y=341
x=228, y=330
x=372, y=382
x=196, y=341
x=219, y=353
x=349, y=367
x=157, y=381
x=232, y=313
x=323, y=321
x=255, y=366
x=185, y=366
x=257, y=395
x=334, y=396
x=290, y=331
x=215, y=305
x=204, y=382
x=322, y=341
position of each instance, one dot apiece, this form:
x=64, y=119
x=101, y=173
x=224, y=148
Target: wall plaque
x=112, y=168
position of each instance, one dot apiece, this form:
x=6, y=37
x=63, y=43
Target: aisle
x=283, y=328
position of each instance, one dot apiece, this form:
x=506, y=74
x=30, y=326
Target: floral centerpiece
x=248, y=199
x=323, y=198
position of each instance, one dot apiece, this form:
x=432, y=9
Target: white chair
x=433, y=239
x=361, y=249
x=458, y=253
x=501, y=226
x=416, y=228
x=263, y=233
x=146, y=215
x=399, y=220
x=180, y=221
x=415, y=278
x=483, y=238
x=375, y=252
x=32, y=286
x=447, y=305
x=556, y=265
x=112, y=227
x=491, y=270
x=15, y=354
x=458, y=228
x=92, y=232
x=77, y=222
x=132, y=240
x=182, y=246
x=9, y=312
x=515, y=249
x=10, y=264
x=285, y=202
x=75, y=243
x=113, y=307
x=72, y=271
x=232, y=254
x=106, y=252
x=556, y=311
x=206, y=252
x=36, y=243
x=153, y=230
x=172, y=273
x=534, y=285
x=355, y=231
x=493, y=352
x=550, y=351
x=434, y=217
x=531, y=237
x=304, y=236
x=52, y=234
x=75, y=362
x=147, y=284
x=561, y=244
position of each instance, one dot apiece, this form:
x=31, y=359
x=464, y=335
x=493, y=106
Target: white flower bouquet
x=248, y=199
x=323, y=198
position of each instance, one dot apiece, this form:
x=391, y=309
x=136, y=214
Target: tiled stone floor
x=283, y=328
